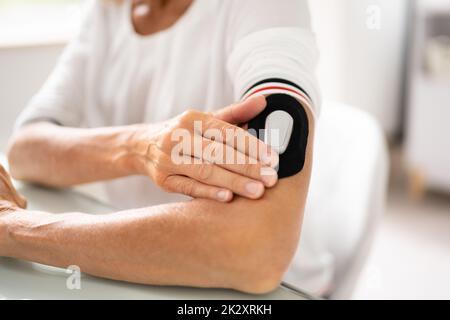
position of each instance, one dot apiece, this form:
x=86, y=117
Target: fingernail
x=224, y=195
x=270, y=160
x=254, y=188
x=269, y=176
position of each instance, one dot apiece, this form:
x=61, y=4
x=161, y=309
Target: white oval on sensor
x=278, y=130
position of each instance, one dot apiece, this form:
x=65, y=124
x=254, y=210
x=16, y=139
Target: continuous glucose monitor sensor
x=283, y=124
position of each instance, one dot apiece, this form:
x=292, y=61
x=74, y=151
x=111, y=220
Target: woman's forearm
x=57, y=156
x=245, y=245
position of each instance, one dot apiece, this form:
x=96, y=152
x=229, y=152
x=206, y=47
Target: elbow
x=14, y=162
x=256, y=279
x=261, y=271
x=261, y=258
x=21, y=156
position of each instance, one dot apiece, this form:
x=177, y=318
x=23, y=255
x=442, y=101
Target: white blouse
x=110, y=75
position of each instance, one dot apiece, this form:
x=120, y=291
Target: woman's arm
x=246, y=245
x=58, y=156
x=243, y=245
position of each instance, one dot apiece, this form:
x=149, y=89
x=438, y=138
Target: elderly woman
x=109, y=112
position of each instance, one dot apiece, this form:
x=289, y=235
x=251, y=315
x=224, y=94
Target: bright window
x=38, y=22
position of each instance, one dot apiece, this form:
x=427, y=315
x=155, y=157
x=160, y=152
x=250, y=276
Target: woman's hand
x=221, y=159
x=8, y=194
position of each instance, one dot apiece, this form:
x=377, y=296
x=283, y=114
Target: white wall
x=360, y=66
x=23, y=70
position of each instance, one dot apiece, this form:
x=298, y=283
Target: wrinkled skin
x=8, y=192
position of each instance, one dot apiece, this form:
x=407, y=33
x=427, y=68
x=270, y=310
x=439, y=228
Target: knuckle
x=250, y=170
x=236, y=183
x=178, y=122
x=225, y=132
x=189, y=115
x=183, y=118
x=187, y=187
x=231, y=135
x=204, y=172
x=208, y=115
x=209, y=122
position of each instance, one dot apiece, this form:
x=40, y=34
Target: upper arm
x=272, y=39
x=260, y=236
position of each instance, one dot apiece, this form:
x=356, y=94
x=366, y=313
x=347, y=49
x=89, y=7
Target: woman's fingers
x=235, y=161
x=213, y=175
x=239, y=139
x=215, y=129
x=195, y=189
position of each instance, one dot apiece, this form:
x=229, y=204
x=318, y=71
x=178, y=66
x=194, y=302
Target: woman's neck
x=151, y=16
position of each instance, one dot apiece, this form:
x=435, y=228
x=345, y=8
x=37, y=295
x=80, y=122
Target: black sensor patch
x=285, y=117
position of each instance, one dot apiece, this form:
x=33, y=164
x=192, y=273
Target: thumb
x=242, y=112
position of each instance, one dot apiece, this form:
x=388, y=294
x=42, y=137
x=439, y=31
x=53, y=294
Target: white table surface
x=26, y=280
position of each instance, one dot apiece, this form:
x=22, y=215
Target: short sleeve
x=61, y=98
x=272, y=41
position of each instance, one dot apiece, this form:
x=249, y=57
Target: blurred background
x=388, y=58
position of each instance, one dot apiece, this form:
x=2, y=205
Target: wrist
x=7, y=210
x=135, y=140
